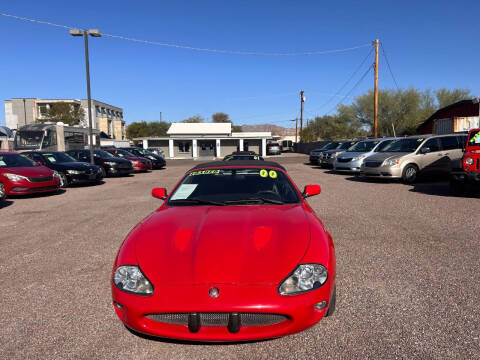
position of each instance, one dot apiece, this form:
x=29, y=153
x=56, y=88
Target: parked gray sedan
x=352, y=159
x=328, y=156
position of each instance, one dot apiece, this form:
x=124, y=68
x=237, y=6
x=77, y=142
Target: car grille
x=40, y=179
x=344, y=159
x=373, y=163
x=124, y=166
x=219, y=319
x=326, y=156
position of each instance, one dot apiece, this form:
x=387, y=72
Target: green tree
x=144, y=129
x=193, y=119
x=446, y=97
x=237, y=128
x=221, y=117
x=64, y=112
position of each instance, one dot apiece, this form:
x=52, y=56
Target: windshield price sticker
x=265, y=173
x=475, y=139
x=204, y=172
x=184, y=191
x=2, y=163
x=419, y=139
x=52, y=159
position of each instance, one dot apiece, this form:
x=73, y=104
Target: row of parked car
x=405, y=158
x=46, y=171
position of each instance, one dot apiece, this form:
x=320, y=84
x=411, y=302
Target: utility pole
x=302, y=99
x=85, y=34
x=296, y=130
x=375, y=95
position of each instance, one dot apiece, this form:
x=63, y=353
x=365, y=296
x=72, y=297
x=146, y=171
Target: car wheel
x=333, y=301
x=63, y=180
x=104, y=173
x=410, y=173
x=3, y=194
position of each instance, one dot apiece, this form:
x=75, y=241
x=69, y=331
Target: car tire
x=410, y=174
x=3, y=193
x=333, y=301
x=104, y=173
x=63, y=180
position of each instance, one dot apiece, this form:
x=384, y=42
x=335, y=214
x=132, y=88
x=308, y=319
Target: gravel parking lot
x=407, y=264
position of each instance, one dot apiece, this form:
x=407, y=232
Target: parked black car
x=158, y=162
x=69, y=169
x=110, y=165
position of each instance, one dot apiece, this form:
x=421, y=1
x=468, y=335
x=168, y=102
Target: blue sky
x=430, y=44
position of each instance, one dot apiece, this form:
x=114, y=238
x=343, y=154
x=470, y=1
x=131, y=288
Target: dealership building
x=193, y=140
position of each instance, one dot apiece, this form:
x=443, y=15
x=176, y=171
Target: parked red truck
x=469, y=173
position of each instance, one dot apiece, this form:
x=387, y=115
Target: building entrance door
x=206, y=148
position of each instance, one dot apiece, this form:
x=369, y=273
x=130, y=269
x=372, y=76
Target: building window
x=97, y=110
x=184, y=147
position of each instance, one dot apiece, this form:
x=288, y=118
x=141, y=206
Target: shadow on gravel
x=441, y=189
x=5, y=203
x=187, y=342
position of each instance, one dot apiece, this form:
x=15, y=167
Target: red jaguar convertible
x=234, y=253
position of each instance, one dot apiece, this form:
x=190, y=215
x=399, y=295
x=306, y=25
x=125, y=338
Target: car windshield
x=242, y=157
x=474, y=139
x=383, y=145
x=346, y=145
x=103, y=154
x=58, y=157
x=141, y=151
x=363, y=146
x=234, y=186
x=403, y=145
x=331, y=146
x=123, y=153
x=15, y=160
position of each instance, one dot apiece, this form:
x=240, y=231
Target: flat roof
x=199, y=128
x=239, y=163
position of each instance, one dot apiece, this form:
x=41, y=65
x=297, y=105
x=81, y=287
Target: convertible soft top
x=258, y=163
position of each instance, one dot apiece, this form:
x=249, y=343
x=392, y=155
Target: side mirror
x=424, y=150
x=159, y=193
x=311, y=190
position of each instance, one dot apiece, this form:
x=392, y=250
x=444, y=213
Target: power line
x=186, y=47
x=345, y=84
x=388, y=65
x=352, y=89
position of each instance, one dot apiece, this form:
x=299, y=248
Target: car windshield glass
x=141, y=151
x=474, y=139
x=331, y=146
x=383, y=145
x=363, y=146
x=15, y=160
x=58, y=157
x=124, y=153
x=346, y=145
x=234, y=186
x=103, y=154
x=403, y=145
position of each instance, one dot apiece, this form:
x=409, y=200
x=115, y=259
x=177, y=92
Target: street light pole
x=85, y=33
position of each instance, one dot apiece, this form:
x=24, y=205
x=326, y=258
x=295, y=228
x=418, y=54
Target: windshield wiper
x=256, y=199
x=199, y=201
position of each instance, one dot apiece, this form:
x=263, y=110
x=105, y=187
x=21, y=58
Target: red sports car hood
x=220, y=244
x=31, y=171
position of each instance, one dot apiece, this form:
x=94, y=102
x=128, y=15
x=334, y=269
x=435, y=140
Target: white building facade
x=209, y=140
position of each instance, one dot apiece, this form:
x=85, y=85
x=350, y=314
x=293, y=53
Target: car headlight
x=111, y=163
x=130, y=278
x=469, y=161
x=14, y=177
x=356, y=158
x=391, y=162
x=304, y=278
x=74, y=172
x=334, y=155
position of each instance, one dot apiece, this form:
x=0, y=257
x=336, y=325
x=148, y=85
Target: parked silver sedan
x=352, y=159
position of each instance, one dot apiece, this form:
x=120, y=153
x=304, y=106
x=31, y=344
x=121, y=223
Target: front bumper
x=142, y=167
x=158, y=164
x=115, y=170
x=350, y=166
x=327, y=161
x=472, y=177
x=382, y=171
x=25, y=187
x=314, y=159
x=81, y=178
x=263, y=299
